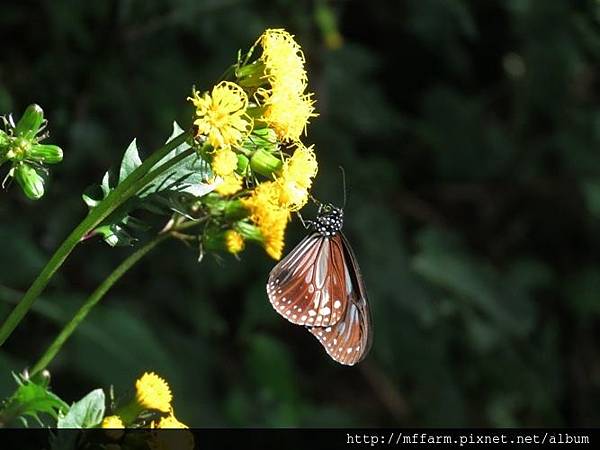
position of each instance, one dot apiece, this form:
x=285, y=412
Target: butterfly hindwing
x=309, y=286
x=349, y=340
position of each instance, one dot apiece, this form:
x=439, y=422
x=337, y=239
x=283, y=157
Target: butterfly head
x=330, y=220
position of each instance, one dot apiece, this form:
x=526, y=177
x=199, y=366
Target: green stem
x=92, y=300
x=134, y=182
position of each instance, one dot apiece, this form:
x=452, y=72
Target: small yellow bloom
x=112, y=422
x=152, y=392
x=273, y=232
x=115, y=424
x=230, y=185
x=296, y=177
x=168, y=422
x=234, y=242
x=221, y=115
x=224, y=162
x=287, y=107
x=270, y=217
x=284, y=60
x=288, y=112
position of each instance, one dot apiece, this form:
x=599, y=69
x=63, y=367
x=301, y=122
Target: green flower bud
x=4, y=140
x=235, y=210
x=213, y=239
x=30, y=181
x=50, y=154
x=251, y=75
x=265, y=163
x=249, y=231
x=242, y=165
x=30, y=122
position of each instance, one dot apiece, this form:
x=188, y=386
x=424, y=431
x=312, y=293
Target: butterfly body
x=319, y=285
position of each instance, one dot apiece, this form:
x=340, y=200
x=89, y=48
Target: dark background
x=470, y=136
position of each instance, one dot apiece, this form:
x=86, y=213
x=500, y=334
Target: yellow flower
x=296, y=177
x=234, y=242
x=273, y=232
x=224, y=162
x=221, y=115
x=115, y=424
x=287, y=107
x=287, y=111
x=168, y=422
x=152, y=392
x=166, y=440
x=270, y=217
x=284, y=60
x=112, y=422
x=230, y=185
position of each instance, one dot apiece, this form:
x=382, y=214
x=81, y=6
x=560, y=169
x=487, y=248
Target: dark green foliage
x=470, y=136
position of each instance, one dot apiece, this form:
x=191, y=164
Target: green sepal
x=31, y=179
x=265, y=163
x=251, y=75
x=242, y=164
x=249, y=231
x=261, y=138
x=30, y=123
x=214, y=240
x=49, y=154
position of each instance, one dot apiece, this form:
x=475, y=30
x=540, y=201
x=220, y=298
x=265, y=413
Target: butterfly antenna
x=317, y=202
x=343, y=184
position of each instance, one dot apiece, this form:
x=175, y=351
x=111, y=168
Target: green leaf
x=174, y=190
x=86, y=413
x=131, y=161
x=29, y=400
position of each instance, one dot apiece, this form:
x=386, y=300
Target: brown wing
x=308, y=287
x=349, y=340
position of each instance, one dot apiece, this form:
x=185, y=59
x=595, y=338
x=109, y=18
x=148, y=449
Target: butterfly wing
x=349, y=340
x=308, y=286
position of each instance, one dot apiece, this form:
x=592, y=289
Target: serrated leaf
x=29, y=400
x=131, y=161
x=182, y=184
x=86, y=413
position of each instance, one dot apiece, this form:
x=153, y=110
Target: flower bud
x=30, y=181
x=251, y=75
x=242, y=164
x=30, y=123
x=49, y=154
x=249, y=231
x=4, y=140
x=265, y=163
x=235, y=210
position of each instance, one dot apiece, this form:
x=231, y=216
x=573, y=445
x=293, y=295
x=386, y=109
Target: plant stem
x=134, y=182
x=92, y=300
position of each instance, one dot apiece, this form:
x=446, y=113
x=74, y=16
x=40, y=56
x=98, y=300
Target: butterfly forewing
x=349, y=340
x=309, y=286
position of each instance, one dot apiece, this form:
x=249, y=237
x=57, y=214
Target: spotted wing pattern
x=309, y=286
x=349, y=340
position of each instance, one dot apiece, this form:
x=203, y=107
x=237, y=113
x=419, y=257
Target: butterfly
x=319, y=285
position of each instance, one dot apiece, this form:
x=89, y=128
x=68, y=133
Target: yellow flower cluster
x=287, y=107
x=270, y=92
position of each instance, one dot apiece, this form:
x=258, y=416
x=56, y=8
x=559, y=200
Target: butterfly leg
x=305, y=223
